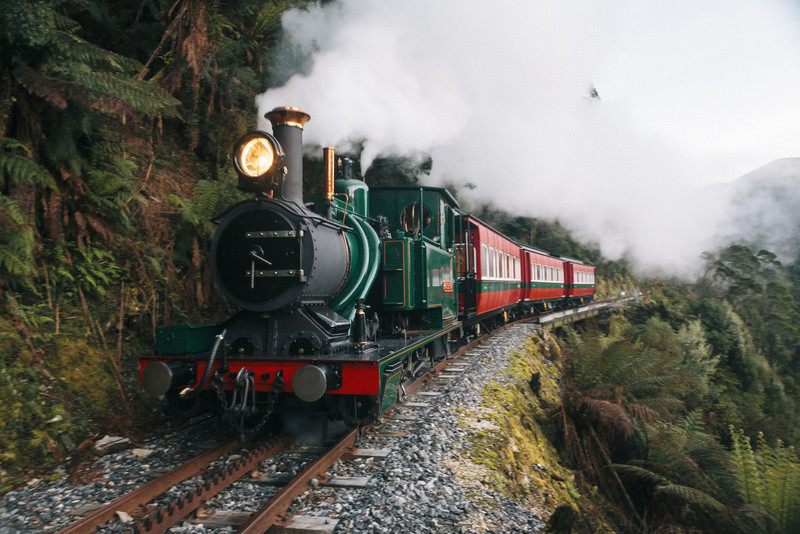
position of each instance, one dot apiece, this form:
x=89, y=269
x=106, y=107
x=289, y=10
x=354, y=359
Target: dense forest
x=683, y=409
x=115, y=123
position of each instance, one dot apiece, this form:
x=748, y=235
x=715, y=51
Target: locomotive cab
x=417, y=286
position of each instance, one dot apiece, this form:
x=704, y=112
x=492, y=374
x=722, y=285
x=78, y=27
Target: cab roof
x=446, y=195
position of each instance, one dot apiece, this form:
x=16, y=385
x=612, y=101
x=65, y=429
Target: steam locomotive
x=344, y=295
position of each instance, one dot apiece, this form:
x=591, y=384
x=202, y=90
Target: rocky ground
x=425, y=484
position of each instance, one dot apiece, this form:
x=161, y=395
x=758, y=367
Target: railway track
x=150, y=518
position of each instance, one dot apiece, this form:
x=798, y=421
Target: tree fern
x=768, y=478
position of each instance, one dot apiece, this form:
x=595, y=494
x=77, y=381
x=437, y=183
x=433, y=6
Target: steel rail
x=139, y=497
x=271, y=512
x=167, y=515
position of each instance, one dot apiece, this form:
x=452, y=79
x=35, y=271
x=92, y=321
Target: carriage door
x=465, y=266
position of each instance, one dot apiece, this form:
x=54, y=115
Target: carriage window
x=484, y=262
x=410, y=218
x=492, y=263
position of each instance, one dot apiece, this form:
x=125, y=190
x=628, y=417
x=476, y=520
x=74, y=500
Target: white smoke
x=498, y=94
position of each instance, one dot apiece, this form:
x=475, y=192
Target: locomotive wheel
x=359, y=410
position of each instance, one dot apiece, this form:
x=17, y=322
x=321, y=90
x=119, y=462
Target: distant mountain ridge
x=765, y=208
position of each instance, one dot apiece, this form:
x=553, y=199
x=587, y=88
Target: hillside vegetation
x=115, y=123
x=683, y=409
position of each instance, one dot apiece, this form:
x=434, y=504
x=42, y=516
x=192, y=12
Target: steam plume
x=500, y=95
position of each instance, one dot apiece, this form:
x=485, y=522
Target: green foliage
x=210, y=199
x=17, y=244
x=760, y=289
x=717, y=341
x=33, y=427
x=114, y=130
x=768, y=477
x=644, y=370
x=17, y=168
x=700, y=362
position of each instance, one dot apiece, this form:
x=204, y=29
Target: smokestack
x=287, y=126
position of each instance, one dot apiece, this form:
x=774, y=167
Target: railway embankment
x=511, y=435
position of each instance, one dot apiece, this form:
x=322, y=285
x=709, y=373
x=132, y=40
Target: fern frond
x=640, y=475
x=645, y=413
x=608, y=414
x=679, y=494
x=747, y=472
x=17, y=245
x=40, y=85
x=64, y=23
x=17, y=169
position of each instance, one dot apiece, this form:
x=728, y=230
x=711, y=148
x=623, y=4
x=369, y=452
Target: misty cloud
x=497, y=94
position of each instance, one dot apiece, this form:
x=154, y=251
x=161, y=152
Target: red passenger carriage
x=544, y=276
x=580, y=281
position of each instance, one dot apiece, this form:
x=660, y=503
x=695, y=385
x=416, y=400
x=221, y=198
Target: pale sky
x=691, y=93
x=718, y=78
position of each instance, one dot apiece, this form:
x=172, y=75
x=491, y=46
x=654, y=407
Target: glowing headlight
x=257, y=157
x=259, y=160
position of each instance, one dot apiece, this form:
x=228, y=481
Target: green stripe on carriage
x=545, y=285
x=492, y=286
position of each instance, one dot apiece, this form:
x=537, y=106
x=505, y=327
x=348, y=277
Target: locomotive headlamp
x=258, y=158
